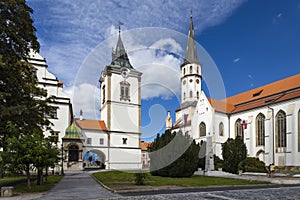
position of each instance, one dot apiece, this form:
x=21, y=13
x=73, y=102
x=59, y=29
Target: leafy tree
x=252, y=165
x=233, y=151
x=174, y=155
x=22, y=103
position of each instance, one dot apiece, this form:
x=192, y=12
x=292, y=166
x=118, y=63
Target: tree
x=174, y=155
x=234, y=151
x=23, y=104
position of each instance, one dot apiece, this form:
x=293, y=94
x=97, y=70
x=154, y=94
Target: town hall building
x=267, y=118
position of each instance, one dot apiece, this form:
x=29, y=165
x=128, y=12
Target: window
x=103, y=94
x=239, y=131
x=184, y=82
x=197, y=81
x=191, y=94
x=197, y=95
x=197, y=69
x=260, y=130
x=191, y=69
x=184, y=96
x=124, y=91
x=101, y=141
x=124, y=140
x=89, y=141
x=73, y=153
x=183, y=71
x=221, y=129
x=202, y=128
x=299, y=130
x=280, y=129
x=54, y=136
x=52, y=114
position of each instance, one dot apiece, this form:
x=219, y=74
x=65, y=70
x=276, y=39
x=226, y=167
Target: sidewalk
x=277, y=179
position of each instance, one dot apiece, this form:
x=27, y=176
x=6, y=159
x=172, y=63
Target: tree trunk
x=39, y=180
x=46, y=175
x=28, y=177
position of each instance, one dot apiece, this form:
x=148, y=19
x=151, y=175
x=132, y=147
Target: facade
x=114, y=141
x=145, y=154
x=267, y=117
x=61, y=117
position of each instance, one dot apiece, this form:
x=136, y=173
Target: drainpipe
x=273, y=135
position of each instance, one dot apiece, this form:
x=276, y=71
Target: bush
x=140, y=178
x=233, y=151
x=174, y=155
x=218, y=162
x=252, y=165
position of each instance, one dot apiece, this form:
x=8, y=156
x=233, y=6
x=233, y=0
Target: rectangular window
x=124, y=91
x=52, y=114
x=89, y=141
x=101, y=141
x=124, y=140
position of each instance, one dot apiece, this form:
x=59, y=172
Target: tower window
x=191, y=94
x=197, y=95
x=184, y=96
x=124, y=140
x=197, y=81
x=183, y=71
x=191, y=80
x=103, y=94
x=191, y=69
x=124, y=91
x=197, y=69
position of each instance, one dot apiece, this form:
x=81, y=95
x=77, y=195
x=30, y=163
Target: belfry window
x=191, y=69
x=183, y=71
x=191, y=94
x=197, y=95
x=260, y=130
x=103, y=94
x=124, y=91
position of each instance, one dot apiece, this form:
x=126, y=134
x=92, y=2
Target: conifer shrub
x=252, y=164
x=174, y=155
x=234, y=151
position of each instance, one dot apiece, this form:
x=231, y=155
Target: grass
x=117, y=179
x=7, y=181
x=52, y=180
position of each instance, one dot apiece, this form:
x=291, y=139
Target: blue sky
x=243, y=44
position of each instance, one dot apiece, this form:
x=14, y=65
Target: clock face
x=124, y=73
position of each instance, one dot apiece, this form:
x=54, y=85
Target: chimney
x=81, y=115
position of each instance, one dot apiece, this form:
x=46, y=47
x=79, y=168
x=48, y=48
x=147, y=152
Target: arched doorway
x=73, y=153
x=94, y=159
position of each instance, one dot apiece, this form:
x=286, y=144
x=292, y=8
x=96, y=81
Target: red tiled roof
x=91, y=124
x=275, y=92
x=145, y=145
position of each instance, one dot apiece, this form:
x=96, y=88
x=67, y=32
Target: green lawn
x=6, y=181
x=118, y=179
x=52, y=180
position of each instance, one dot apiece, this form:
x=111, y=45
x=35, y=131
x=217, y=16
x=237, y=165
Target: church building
x=267, y=118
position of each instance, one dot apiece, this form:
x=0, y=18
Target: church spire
x=191, y=49
x=119, y=56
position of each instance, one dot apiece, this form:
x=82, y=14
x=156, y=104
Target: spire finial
x=191, y=13
x=120, y=23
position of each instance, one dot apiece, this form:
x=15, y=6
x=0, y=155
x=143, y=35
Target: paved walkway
x=77, y=185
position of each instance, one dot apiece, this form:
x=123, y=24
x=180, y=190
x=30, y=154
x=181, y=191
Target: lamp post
x=62, y=159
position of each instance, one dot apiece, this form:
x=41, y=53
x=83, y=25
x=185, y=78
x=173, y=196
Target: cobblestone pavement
x=77, y=185
x=270, y=193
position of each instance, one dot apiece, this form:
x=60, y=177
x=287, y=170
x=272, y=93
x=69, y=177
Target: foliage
x=218, y=162
x=22, y=103
x=140, y=178
x=174, y=155
x=252, y=165
x=124, y=180
x=233, y=151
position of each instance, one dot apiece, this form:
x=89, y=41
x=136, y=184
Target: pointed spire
x=191, y=49
x=119, y=56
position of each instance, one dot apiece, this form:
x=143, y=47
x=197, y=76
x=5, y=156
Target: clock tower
x=120, y=107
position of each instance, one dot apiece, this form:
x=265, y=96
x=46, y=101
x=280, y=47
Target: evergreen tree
x=234, y=151
x=174, y=155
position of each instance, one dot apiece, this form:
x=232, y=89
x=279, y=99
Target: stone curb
x=104, y=186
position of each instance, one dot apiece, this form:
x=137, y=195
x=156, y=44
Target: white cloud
x=236, y=60
x=277, y=17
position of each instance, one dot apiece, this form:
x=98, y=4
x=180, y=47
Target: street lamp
x=62, y=159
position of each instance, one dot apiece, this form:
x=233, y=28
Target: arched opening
x=191, y=69
x=260, y=129
x=94, y=159
x=280, y=134
x=73, y=153
x=239, y=131
x=202, y=129
x=221, y=129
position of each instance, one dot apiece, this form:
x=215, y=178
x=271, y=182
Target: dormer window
x=257, y=93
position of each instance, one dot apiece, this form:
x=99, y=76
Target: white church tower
x=120, y=108
x=190, y=70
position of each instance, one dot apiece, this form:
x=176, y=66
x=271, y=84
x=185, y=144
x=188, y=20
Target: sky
x=241, y=44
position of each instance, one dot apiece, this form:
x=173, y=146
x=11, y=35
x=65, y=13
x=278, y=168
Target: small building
x=145, y=154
